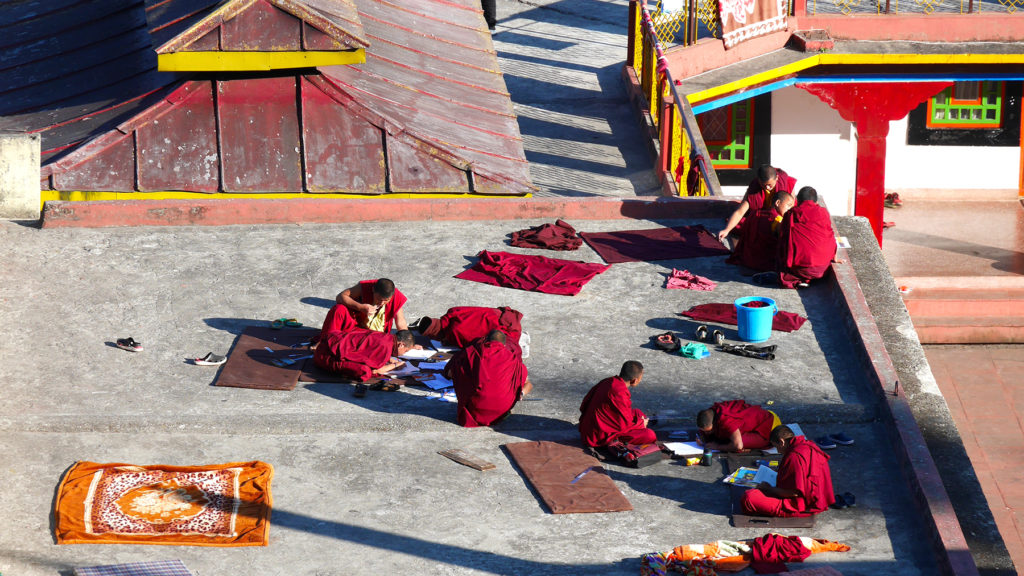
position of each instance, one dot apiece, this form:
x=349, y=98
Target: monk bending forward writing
x=804, y=484
x=375, y=304
x=736, y=426
x=489, y=378
x=464, y=324
x=356, y=352
x=607, y=413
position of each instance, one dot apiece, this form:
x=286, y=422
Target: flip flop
x=210, y=359
x=282, y=322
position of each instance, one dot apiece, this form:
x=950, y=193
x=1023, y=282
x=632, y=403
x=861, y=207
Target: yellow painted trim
x=77, y=196
x=827, y=59
x=253, y=61
x=759, y=78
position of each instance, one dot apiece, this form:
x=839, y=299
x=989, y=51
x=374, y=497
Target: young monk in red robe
x=758, y=195
x=807, y=242
x=358, y=353
x=375, y=304
x=489, y=378
x=736, y=426
x=757, y=246
x=607, y=413
x=463, y=324
x=804, y=484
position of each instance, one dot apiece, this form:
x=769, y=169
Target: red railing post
x=631, y=39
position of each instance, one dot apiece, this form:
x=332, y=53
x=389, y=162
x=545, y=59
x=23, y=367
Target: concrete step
x=966, y=310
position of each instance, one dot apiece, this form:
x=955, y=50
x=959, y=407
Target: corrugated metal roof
x=77, y=71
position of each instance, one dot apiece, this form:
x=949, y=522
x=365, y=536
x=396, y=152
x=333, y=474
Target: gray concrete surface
x=359, y=488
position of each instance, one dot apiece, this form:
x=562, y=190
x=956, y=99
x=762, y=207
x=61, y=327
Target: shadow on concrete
x=693, y=495
x=233, y=325
x=534, y=42
x=317, y=301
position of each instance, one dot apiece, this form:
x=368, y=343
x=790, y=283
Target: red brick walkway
x=984, y=388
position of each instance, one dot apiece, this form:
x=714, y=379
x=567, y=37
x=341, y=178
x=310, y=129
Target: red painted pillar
x=871, y=106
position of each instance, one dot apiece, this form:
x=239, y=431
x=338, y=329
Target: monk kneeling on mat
x=489, y=377
x=607, y=413
x=358, y=353
x=462, y=325
x=804, y=483
x=736, y=426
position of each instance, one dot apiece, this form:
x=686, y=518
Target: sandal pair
x=702, y=335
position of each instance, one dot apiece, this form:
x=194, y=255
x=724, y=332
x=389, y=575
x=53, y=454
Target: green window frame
x=967, y=106
x=728, y=133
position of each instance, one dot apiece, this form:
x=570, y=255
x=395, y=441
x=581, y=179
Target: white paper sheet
x=442, y=348
x=438, y=382
x=796, y=429
x=685, y=448
x=404, y=370
x=417, y=354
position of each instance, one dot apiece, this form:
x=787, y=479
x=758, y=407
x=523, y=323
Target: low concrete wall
x=19, y=175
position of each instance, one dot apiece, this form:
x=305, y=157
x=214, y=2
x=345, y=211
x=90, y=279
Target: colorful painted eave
x=215, y=61
x=792, y=71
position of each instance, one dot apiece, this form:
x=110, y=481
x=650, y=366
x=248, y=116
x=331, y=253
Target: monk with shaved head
x=490, y=378
x=375, y=304
x=358, y=353
x=607, y=414
x=804, y=483
x=757, y=220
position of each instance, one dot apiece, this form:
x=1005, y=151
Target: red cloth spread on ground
x=651, y=244
x=726, y=314
x=805, y=469
x=532, y=273
x=488, y=377
x=558, y=236
x=688, y=280
x=607, y=415
x=753, y=422
x=757, y=245
x=356, y=352
x=807, y=244
x=462, y=325
x=390, y=309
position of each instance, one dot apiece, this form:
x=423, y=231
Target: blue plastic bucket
x=755, y=323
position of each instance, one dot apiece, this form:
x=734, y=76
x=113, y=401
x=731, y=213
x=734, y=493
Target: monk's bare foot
x=527, y=388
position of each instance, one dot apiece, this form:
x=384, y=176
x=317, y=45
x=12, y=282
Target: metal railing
x=911, y=7
x=683, y=158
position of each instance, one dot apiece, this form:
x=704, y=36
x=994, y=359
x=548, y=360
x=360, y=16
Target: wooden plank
x=179, y=151
x=343, y=152
x=465, y=459
x=259, y=135
x=262, y=27
x=414, y=170
x=112, y=169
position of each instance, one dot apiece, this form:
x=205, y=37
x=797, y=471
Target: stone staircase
x=966, y=309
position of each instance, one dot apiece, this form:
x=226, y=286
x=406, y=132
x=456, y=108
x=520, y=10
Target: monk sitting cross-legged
x=358, y=353
x=463, y=324
x=375, y=304
x=489, y=378
x=736, y=426
x=607, y=413
x=804, y=483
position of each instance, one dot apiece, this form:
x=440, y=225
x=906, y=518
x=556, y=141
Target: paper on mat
x=439, y=365
x=442, y=348
x=404, y=370
x=438, y=382
x=415, y=354
x=685, y=448
x=765, y=474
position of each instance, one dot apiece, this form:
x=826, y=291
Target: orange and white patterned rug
x=217, y=505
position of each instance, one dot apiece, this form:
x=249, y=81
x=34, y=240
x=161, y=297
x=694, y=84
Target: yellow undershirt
x=376, y=322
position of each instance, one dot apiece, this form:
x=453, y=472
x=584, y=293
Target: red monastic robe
x=392, y=307
x=753, y=422
x=607, y=415
x=488, y=377
x=349, y=350
x=757, y=245
x=805, y=469
x=462, y=325
x=807, y=244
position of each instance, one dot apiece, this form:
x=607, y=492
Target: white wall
x=947, y=167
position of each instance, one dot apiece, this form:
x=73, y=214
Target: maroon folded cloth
x=558, y=236
x=726, y=314
x=655, y=244
x=532, y=273
x=771, y=550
